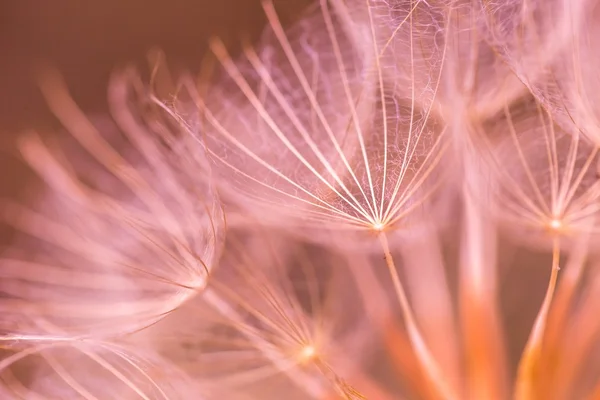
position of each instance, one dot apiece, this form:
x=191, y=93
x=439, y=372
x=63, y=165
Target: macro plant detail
x=340, y=158
x=383, y=200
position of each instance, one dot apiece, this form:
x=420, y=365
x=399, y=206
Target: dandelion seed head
x=115, y=249
x=319, y=139
x=544, y=172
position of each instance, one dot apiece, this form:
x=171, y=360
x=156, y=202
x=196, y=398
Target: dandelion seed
x=318, y=140
x=533, y=35
x=258, y=316
x=547, y=189
x=549, y=180
x=118, y=241
x=366, y=161
x=89, y=369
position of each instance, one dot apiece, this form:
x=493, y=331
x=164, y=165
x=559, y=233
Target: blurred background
x=84, y=40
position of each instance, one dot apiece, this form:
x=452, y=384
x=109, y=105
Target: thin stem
x=481, y=327
x=529, y=366
x=430, y=366
x=559, y=316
